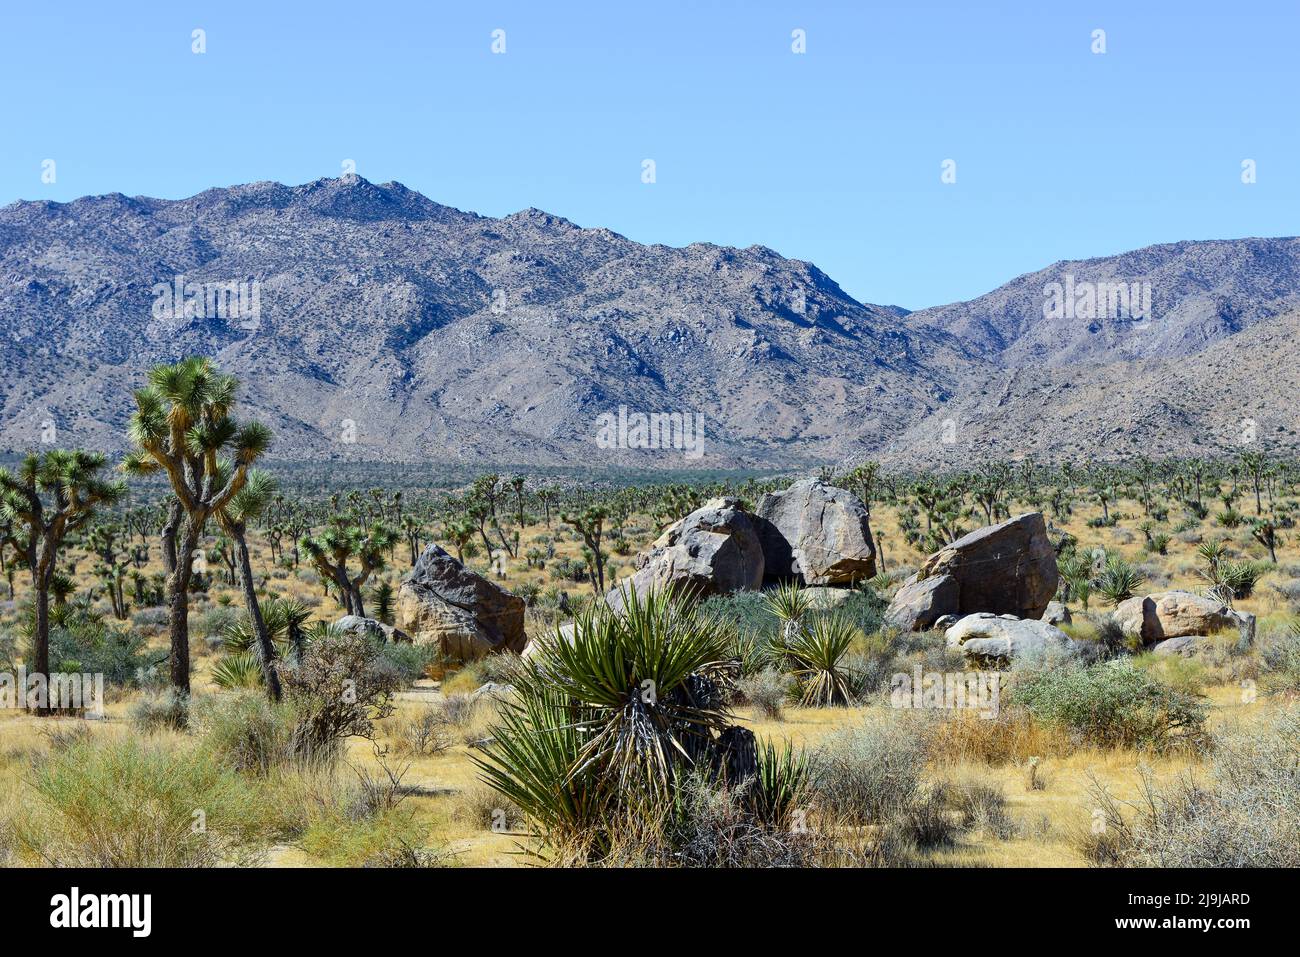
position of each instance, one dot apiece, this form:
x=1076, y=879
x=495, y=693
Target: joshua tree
x=183, y=427
x=1254, y=464
x=590, y=525
x=1266, y=534
x=247, y=504
x=51, y=495
x=331, y=551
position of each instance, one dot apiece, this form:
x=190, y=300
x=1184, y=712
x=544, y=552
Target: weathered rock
x=816, y=533
x=712, y=551
x=372, y=627
x=919, y=604
x=1056, y=614
x=944, y=622
x=1004, y=569
x=1155, y=618
x=1185, y=645
x=443, y=603
x=988, y=637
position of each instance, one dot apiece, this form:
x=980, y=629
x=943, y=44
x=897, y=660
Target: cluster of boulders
x=1004, y=569
x=1174, y=622
x=812, y=532
x=991, y=591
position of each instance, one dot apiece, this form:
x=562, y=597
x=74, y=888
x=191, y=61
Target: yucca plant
x=604, y=725
x=790, y=604
x=815, y=656
x=1118, y=580
x=238, y=669
x=651, y=677
x=285, y=620
x=534, y=760
x=780, y=786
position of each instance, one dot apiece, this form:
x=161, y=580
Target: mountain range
x=369, y=323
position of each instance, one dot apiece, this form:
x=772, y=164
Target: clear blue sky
x=832, y=156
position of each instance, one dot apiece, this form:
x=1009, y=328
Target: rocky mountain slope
x=376, y=324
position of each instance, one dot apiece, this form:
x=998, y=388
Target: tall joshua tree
x=51, y=495
x=246, y=505
x=183, y=427
x=332, y=549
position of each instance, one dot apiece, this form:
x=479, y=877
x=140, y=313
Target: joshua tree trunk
x=42, y=649
x=178, y=599
x=266, y=647
x=169, y=530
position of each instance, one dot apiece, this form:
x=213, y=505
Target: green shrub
x=246, y=731
x=131, y=803
x=82, y=642
x=1112, y=704
x=409, y=661
x=165, y=710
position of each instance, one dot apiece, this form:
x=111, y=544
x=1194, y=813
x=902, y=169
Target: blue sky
x=833, y=156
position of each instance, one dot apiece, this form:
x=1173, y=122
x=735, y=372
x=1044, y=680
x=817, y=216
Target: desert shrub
x=215, y=621
x=424, y=733
x=1112, y=704
x=748, y=613
x=131, y=803
x=766, y=691
x=408, y=661
x=61, y=735
x=1279, y=654
x=711, y=825
x=154, y=618
x=981, y=805
x=246, y=732
x=1246, y=814
x=338, y=690
x=487, y=809
x=1012, y=737
x=166, y=710
x=866, y=772
x=1289, y=590
x=82, y=642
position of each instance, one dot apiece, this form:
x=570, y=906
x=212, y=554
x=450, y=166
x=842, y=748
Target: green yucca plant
x=604, y=724
x=285, y=620
x=1118, y=580
x=789, y=602
x=781, y=784
x=815, y=655
x=640, y=672
x=534, y=760
x=238, y=669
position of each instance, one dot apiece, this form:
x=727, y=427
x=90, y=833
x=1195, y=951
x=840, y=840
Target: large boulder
x=816, y=533
x=985, y=637
x=1149, y=619
x=443, y=603
x=712, y=551
x=1003, y=569
x=918, y=605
